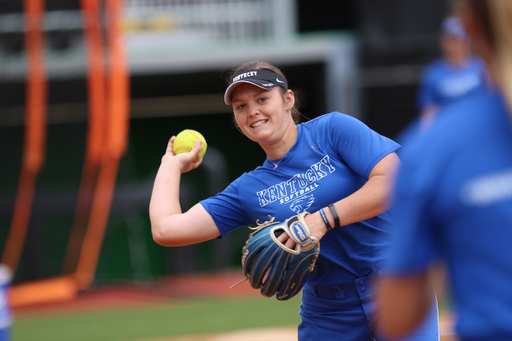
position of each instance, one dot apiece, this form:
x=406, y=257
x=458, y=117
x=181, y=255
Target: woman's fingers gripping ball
x=285, y=239
x=187, y=160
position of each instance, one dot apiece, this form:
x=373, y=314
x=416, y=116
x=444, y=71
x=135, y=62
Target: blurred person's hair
x=496, y=19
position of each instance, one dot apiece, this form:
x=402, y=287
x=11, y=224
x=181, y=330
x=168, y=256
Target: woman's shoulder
x=256, y=173
x=438, y=65
x=330, y=118
x=336, y=124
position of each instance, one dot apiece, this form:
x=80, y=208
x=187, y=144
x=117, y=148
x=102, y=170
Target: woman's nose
x=253, y=110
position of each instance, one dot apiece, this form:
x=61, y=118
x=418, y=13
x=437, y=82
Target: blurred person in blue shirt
x=453, y=199
x=5, y=310
x=451, y=77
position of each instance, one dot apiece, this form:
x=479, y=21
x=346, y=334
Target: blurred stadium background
x=360, y=57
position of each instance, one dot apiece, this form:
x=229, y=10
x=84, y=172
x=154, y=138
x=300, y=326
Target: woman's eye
x=241, y=106
x=263, y=99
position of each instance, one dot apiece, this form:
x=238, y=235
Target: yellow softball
x=185, y=141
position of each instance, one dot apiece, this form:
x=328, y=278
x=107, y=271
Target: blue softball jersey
x=443, y=83
x=453, y=202
x=331, y=159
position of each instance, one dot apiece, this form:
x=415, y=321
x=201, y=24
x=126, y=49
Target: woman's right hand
x=185, y=161
x=169, y=225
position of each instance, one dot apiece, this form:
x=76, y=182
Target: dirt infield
x=282, y=334
x=267, y=334
x=140, y=294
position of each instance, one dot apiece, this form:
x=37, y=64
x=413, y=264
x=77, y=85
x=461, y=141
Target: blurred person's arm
x=404, y=302
x=427, y=115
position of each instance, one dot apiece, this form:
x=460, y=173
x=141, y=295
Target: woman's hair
x=496, y=19
x=260, y=65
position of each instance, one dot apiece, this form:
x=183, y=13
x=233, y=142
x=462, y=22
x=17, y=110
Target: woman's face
x=456, y=50
x=262, y=115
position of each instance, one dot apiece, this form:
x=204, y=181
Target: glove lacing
x=259, y=226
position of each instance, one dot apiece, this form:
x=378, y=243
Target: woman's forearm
x=165, y=196
x=169, y=225
x=374, y=197
x=369, y=201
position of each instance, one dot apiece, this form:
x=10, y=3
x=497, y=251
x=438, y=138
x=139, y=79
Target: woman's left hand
x=316, y=228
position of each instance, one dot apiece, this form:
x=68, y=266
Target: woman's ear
x=290, y=99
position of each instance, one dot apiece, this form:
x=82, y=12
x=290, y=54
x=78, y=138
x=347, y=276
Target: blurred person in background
x=6, y=318
x=453, y=199
x=453, y=76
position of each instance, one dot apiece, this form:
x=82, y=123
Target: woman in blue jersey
x=332, y=166
x=454, y=199
x=453, y=76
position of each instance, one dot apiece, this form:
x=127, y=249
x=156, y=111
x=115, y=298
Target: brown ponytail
x=501, y=13
x=495, y=17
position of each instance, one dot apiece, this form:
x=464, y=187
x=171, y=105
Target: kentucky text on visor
x=264, y=79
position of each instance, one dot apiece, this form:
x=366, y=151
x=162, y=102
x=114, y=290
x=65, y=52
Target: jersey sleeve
x=426, y=91
x=413, y=246
x=360, y=147
x=226, y=209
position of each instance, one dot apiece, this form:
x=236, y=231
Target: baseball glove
x=274, y=268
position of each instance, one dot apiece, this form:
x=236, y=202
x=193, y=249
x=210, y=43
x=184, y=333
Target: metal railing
x=214, y=19
x=232, y=20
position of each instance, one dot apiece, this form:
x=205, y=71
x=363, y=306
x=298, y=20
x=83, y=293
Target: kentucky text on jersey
x=245, y=75
x=297, y=185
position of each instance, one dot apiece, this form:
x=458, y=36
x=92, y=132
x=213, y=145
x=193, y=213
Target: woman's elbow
x=158, y=235
x=160, y=232
x=163, y=235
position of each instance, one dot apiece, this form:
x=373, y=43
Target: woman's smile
x=258, y=123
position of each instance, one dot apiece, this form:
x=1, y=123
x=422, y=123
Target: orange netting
x=115, y=141
x=108, y=98
x=35, y=132
x=96, y=131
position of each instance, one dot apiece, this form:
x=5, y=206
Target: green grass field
x=188, y=317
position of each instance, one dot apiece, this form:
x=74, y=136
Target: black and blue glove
x=274, y=268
